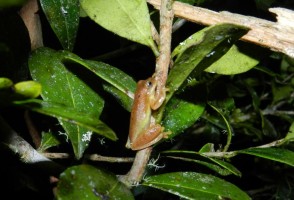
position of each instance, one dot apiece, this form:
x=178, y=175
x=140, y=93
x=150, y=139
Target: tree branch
x=25, y=151
x=278, y=36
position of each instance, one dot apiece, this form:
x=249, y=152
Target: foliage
x=229, y=110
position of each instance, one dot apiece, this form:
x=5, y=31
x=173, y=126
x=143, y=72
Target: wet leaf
x=62, y=86
x=63, y=17
x=192, y=185
x=117, y=83
x=128, y=19
x=88, y=182
x=180, y=115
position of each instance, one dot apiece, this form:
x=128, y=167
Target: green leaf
x=124, y=100
x=63, y=17
x=281, y=92
x=118, y=83
x=290, y=135
x=65, y=113
x=228, y=126
x=227, y=64
x=209, y=147
x=222, y=167
x=228, y=166
x=62, y=86
x=180, y=115
x=192, y=185
x=276, y=154
x=128, y=19
x=88, y=182
x=48, y=140
x=214, y=43
x=217, y=168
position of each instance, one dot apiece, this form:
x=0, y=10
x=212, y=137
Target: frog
x=144, y=131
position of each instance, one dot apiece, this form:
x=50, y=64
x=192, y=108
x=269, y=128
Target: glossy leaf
x=128, y=19
x=118, y=83
x=88, y=182
x=62, y=86
x=62, y=112
x=276, y=154
x=192, y=185
x=214, y=43
x=180, y=115
x=63, y=17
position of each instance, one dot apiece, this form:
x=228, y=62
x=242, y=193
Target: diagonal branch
x=277, y=36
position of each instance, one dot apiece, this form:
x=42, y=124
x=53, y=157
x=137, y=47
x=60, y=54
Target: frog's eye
x=149, y=84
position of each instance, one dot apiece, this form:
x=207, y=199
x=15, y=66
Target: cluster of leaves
x=215, y=99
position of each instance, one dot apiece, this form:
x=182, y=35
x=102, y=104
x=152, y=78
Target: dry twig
x=278, y=36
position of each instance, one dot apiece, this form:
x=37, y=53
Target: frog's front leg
x=152, y=135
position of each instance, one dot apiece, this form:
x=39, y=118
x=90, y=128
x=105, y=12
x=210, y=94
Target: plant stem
x=164, y=58
x=135, y=175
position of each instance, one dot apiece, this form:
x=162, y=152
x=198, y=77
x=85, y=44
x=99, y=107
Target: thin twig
x=278, y=36
x=96, y=157
x=164, y=58
x=92, y=157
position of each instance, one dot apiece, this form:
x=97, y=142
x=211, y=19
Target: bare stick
x=163, y=60
x=278, y=36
